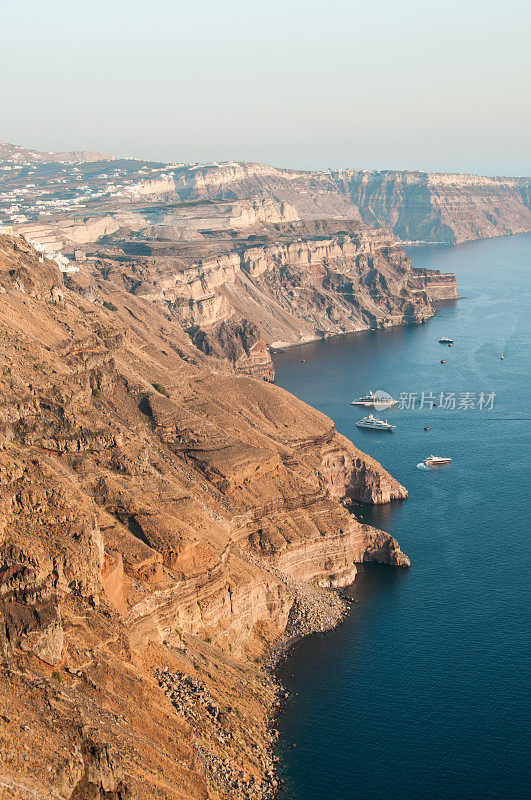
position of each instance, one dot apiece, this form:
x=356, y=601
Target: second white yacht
x=378, y=400
x=374, y=424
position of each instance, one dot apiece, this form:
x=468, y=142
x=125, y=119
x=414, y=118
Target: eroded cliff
x=418, y=206
x=439, y=207
x=231, y=248
x=288, y=284
x=163, y=522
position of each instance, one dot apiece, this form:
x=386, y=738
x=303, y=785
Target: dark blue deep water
x=423, y=692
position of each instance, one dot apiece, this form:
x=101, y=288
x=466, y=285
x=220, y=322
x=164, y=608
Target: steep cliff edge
x=237, y=292
x=436, y=207
x=416, y=206
x=163, y=521
x=239, y=341
x=287, y=287
x=246, y=256
x=437, y=285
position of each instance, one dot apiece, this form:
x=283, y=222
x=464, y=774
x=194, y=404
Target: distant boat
x=445, y=340
x=374, y=424
x=432, y=461
x=378, y=400
x=443, y=361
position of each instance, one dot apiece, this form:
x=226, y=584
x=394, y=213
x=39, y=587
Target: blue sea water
x=423, y=693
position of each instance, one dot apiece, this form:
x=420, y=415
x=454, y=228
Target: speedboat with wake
x=374, y=424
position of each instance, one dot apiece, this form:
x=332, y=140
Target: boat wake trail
x=422, y=465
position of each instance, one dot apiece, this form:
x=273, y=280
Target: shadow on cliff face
x=373, y=579
x=378, y=516
x=407, y=209
x=145, y=408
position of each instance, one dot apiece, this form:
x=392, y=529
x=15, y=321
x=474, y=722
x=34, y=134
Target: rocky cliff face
x=293, y=281
x=226, y=269
x=227, y=248
x=436, y=207
x=416, y=206
x=292, y=290
x=240, y=342
x=163, y=521
x=438, y=286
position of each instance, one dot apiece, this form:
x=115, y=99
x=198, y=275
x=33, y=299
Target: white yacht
x=374, y=424
x=375, y=400
x=445, y=340
x=433, y=461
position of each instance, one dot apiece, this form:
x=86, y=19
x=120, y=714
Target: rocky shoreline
x=313, y=611
x=306, y=618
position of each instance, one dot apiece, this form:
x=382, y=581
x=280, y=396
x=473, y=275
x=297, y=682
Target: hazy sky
x=305, y=83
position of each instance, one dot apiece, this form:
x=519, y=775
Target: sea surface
x=423, y=693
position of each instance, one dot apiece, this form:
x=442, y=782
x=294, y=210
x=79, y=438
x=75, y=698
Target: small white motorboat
x=433, y=461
